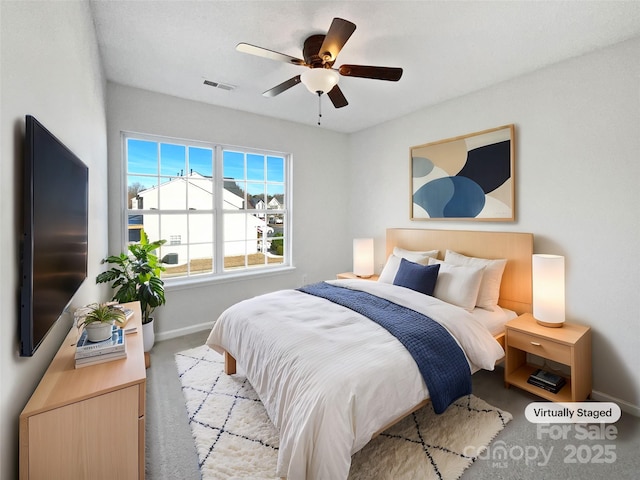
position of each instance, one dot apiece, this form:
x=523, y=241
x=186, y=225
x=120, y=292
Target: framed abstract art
x=470, y=177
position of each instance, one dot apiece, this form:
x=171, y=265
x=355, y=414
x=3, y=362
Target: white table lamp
x=363, y=257
x=548, y=290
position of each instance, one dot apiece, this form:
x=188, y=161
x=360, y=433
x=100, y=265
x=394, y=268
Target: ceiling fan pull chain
x=319, y=106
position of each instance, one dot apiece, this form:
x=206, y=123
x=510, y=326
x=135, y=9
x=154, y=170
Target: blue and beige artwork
x=469, y=177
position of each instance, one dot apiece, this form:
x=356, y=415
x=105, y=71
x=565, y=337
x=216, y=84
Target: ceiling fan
x=320, y=53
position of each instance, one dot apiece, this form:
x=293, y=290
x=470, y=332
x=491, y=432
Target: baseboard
x=180, y=332
x=624, y=406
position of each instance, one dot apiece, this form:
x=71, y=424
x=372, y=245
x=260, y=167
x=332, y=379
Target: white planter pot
x=148, y=335
x=97, y=332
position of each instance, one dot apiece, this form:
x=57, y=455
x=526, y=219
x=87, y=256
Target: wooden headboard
x=517, y=248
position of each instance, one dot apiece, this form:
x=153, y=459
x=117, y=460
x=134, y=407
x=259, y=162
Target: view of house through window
x=220, y=209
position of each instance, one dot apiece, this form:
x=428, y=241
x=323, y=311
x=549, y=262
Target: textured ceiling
x=446, y=49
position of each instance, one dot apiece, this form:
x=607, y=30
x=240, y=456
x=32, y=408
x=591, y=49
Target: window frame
x=218, y=274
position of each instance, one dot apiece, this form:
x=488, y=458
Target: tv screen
x=55, y=243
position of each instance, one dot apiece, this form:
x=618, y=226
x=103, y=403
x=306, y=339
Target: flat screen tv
x=55, y=242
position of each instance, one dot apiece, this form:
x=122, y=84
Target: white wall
x=50, y=69
x=577, y=176
x=321, y=242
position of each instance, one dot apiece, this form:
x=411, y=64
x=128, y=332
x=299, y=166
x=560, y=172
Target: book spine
x=83, y=351
x=97, y=360
x=553, y=383
x=549, y=388
x=544, y=382
x=544, y=387
x=99, y=351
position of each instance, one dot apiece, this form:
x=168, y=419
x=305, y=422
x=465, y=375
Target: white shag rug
x=236, y=440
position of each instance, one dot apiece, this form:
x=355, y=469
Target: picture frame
x=469, y=177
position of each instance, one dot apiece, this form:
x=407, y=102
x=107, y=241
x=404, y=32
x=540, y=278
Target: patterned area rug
x=236, y=440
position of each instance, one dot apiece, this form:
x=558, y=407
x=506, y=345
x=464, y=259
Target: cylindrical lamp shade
x=548, y=289
x=363, y=257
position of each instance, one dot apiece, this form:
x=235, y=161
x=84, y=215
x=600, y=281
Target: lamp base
x=550, y=325
x=364, y=276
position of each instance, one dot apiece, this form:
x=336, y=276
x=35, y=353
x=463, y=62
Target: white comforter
x=330, y=378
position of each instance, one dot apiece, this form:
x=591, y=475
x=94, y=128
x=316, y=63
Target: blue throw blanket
x=441, y=361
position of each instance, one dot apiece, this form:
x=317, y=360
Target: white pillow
x=390, y=269
x=490, y=285
x=415, y=256
x=458, y=284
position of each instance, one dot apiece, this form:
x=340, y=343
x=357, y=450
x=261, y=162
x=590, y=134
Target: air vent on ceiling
x=223, y=86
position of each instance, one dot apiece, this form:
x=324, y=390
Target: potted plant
x=136, y=276
x=98, y=319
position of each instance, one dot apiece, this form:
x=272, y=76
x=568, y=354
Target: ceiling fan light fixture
x=319, y=79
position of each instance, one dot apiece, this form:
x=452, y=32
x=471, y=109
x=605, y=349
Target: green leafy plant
x=136, y=276
x=101, y=313
x=277, y=246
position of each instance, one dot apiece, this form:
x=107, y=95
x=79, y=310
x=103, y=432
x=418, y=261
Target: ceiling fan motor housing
x=311, y=51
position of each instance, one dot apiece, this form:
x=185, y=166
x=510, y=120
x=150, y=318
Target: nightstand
x=373, y=278
x=569, y=345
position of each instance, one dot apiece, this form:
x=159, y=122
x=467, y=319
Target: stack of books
x=91, y=353
x=547, y=380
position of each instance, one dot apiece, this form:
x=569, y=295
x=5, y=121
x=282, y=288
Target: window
x=222, y=210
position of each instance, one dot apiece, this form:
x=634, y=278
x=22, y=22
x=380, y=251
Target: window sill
x=173, y=284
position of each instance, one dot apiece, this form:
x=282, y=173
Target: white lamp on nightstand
x=548, y=289
x=363, y=257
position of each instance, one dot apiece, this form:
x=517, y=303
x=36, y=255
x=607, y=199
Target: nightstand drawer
x=539, y=346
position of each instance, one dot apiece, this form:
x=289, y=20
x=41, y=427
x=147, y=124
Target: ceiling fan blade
x=278, y=89
x=391, y=74
x=338, y=34
x=337, y=97
x=263, y=52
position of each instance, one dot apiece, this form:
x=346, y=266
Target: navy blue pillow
x=421, y=278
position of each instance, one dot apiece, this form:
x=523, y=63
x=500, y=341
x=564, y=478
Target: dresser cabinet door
x=95, y=439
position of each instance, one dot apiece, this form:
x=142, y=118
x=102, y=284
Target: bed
x=331, y=379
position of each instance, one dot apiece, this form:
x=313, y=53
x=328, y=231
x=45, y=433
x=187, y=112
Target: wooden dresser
x=87, y=423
